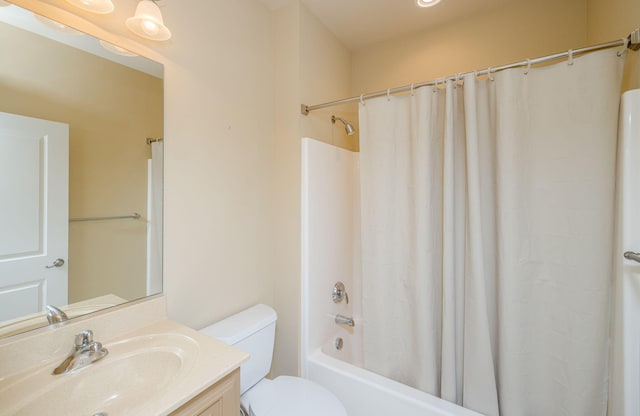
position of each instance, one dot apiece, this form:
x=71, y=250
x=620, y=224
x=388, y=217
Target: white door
x=34, y=214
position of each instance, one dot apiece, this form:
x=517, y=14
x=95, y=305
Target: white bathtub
x=364, y=393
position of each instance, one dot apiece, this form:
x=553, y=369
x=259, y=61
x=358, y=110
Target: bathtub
x=330, y=243
x=364, y=393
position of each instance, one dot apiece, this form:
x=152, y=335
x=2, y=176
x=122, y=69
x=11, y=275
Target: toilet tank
x=252, y=330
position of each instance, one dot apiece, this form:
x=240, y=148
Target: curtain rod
x=632, y=42
x=133, y=216
x=152, y=140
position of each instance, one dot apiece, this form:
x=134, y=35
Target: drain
x=339, y=343
x=101, y=414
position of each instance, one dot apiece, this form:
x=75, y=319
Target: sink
x=137, y=372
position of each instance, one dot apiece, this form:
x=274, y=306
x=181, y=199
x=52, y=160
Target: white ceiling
x=360, y=23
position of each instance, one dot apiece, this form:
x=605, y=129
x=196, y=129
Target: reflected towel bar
x=133, y=216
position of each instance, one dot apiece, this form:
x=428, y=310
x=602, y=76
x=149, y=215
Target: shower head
x=347, y=126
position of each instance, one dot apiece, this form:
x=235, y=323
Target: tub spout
x=341, y=319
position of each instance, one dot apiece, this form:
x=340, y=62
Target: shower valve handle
x=630, y=255
x=338, y=293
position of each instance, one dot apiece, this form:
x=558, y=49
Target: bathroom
x=236, y=73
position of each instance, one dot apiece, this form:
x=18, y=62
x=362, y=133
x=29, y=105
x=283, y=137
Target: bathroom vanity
x=154, y=366
x=221, y=399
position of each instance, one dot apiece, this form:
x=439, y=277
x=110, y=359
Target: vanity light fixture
x=94, y=6
x=148, y=22
x=427, y=3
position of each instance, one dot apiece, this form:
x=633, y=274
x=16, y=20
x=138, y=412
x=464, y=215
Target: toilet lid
x=291, y=396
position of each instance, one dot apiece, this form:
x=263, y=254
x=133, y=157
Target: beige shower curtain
x=487, y=226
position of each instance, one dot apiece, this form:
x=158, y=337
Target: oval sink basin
x=135, y=371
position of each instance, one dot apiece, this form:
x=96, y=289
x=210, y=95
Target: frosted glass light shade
x=148, y=22
x=427, y=3
x=94, y=6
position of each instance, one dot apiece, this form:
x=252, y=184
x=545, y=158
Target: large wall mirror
x=81, y=127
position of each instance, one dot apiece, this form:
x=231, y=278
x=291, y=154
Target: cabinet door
x=214, y=410
x=221, y=399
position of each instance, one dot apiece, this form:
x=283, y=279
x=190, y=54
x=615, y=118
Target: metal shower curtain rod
x=632, y=42
x=133, y=216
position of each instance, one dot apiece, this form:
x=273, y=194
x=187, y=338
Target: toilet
x=253, y=330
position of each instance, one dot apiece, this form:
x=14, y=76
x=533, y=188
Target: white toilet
x=253, y=330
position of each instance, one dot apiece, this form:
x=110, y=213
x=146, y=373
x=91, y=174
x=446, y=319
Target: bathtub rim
x=393, y=388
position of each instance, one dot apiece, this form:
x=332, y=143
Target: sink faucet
x=84, y=352
x=55, y=315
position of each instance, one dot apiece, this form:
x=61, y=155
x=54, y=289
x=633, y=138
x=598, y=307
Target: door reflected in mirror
x=81, y=151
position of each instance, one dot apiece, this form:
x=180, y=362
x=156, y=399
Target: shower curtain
x=487, y=227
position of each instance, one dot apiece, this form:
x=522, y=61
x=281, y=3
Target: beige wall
x=110, y=110
x=218, y=158
x=492, y=38
x=311, y=65
x=285, y=251
x=612, y=19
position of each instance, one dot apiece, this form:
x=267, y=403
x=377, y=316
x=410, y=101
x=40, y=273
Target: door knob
x=56, y=263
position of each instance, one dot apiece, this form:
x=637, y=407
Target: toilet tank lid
x=239, y=326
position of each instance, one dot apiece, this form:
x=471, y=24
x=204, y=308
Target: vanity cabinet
x=221, y=399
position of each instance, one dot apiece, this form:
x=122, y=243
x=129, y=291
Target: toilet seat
x=291, y=396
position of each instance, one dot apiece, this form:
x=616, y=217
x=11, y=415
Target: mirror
x=81, y=129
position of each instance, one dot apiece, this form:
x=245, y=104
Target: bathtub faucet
x=341, y=319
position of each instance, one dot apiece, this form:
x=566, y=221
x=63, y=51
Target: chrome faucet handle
x=85, y=351
x=96, y=347
x=338, y=293
x=83, y=339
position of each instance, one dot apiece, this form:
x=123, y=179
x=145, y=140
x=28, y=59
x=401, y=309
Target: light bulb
x=150, y=27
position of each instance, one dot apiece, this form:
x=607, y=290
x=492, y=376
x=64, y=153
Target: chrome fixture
x=630, y=255
x=338, y=293
x=55, y=315
x=84, y=352
x=344, y=320
x=632, y=42
x=134, y=216
x=339, y=343
x=56, y=263
x=347, y=126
